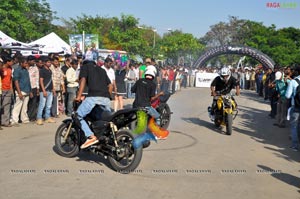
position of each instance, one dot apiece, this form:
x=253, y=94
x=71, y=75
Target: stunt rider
x=99, y=92
x=222, y=84
x=144, y=90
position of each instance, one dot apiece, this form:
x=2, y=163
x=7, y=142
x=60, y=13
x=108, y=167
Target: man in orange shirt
x=1, y=65
x=7, y=91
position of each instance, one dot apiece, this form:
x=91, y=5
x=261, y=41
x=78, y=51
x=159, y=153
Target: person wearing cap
x=282, y=101
x=7, y=91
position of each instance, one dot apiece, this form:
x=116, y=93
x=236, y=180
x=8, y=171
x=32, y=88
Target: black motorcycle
x=115, y=141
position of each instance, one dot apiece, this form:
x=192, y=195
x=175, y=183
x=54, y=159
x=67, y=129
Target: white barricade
x=205, y=79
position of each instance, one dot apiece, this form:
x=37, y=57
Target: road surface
x=196, y=161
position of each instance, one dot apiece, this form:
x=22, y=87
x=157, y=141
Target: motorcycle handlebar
x=220, y=94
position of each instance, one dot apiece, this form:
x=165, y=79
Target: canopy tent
x=6, y=42
x=5, y=39
x=52, y=43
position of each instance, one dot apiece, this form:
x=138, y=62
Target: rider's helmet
x=225, y=73
x=150, y=72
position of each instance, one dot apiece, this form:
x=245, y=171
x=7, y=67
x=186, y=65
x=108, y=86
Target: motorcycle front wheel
x=66, y=147
x=127, y=158
x=229, y=124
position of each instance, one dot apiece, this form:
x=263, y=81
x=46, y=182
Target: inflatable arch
x=262, y=58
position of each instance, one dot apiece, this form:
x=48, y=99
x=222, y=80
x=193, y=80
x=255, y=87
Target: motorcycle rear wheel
x=165, y=115
x=131, y=158
x=69, y=147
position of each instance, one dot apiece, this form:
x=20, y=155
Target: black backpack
x=297, y=95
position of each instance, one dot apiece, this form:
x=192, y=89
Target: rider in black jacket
x=223, y=84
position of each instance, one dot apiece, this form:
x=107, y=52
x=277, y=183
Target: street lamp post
x=154, y=31
x=154, y=35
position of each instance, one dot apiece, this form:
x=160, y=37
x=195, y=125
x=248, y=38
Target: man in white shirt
x=72, y=85
x=110, y=72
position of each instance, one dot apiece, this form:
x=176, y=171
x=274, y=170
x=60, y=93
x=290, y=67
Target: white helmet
x=225, y=71
x=150, y=72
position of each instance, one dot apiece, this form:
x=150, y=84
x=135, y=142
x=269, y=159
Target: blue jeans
x=45, y=101
x=129, y=93
x=86, y=107
x=242, y=83
x=294, y=127
x=153, y=112
x=71, y=96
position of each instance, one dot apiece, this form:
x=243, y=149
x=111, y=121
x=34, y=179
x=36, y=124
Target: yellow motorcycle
x=224, y=112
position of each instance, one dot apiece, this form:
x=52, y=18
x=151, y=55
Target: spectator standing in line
x=131, y=79
x=58, y=85
x=242, y=78
x=46, y=93
x=178, y=80
x=120, y=91
x=193, y=77
x=142, y=70
x=72, y=86
x=281, y=87
x=164, y=80
x=23, y=90
x=295, y=111
x=137, y=71
x=269, y=78
x=272, y=93
x=64, y=69
x=7, y=91
x=252, y=80
x=247, y=79
x=1, y=67
x=34, y=82
x=108, y=62
x=171, y=78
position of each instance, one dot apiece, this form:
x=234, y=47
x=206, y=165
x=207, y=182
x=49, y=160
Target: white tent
x=9, y=43
x=52, y=43
x=5, y=39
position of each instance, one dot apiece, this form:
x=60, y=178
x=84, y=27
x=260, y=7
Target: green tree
x=26, y=20
x=177, y=44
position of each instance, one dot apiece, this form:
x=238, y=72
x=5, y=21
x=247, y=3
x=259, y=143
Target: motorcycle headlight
x=227, y=102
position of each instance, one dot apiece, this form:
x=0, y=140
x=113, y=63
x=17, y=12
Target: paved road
x=196, y=161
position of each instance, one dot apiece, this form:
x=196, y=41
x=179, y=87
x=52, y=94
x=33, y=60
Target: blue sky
x=190, y=16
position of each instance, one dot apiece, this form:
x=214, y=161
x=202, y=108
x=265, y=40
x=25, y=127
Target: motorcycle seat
x=108, y=116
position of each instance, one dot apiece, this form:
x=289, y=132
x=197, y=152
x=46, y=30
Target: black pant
x=273, y=103
x=33, y=105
